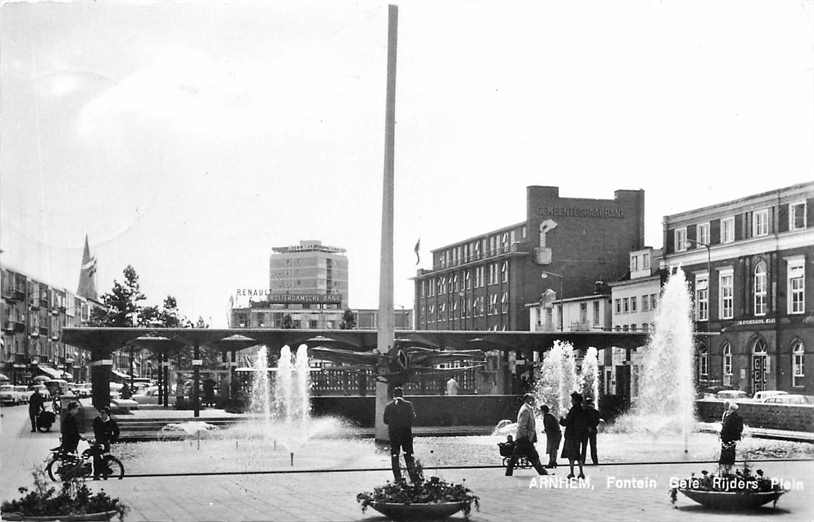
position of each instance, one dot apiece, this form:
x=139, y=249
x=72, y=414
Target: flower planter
x=102, y=516
x=430, y=511
x=732, y=500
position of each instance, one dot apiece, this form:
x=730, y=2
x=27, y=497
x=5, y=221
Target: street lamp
x=546, y=275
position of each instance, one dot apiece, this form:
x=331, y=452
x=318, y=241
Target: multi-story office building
x=749, y=262
x=564, y=245
x=309, y=268
x=33, y=315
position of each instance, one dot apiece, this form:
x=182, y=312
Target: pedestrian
x=731, y=431
x=593, y=424
x=452, y=386
x=209, y=392
x=526, y=437
x=69, y=427
x=576, y=430
x=125, y=393
x=36, y=405
x=399, y=416
x=553, y=436
x=106, y=432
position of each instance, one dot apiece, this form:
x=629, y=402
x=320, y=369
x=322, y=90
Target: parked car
x=82, y=389
x=23, y=392
x=765, y=394
x=59, y=388
x=39, y=388
x=9, y=395
x=729, y=395
x=148, y=395
x=115, y=390
x=805, y=400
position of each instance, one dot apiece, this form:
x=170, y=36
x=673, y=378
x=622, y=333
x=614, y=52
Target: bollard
x=292, y=459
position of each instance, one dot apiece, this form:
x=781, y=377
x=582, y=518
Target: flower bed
x=741, y=490
x=74, y=502
x=425, y=499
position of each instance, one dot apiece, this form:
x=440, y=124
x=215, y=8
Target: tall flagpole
x=384, y=336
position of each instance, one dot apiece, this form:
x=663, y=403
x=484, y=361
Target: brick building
x=485, y=282
x=749, y=263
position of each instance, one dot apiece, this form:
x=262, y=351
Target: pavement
x=623, y=492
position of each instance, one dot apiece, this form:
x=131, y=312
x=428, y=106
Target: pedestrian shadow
x=759, y=512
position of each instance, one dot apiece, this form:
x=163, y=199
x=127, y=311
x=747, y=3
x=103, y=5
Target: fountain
x=557, y=379
x=590, y=375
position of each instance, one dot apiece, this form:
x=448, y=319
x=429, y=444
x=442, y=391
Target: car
x=22, y=392
x=8, y=394
x=731, y=395
x=795, y=399
x=82, y=389
x=765, y=394
x=148, y=395
x=115, y=390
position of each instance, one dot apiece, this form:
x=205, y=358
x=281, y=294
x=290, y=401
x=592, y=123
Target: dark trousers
x=402, y=439
x=591, y=439
x=552, y=446
x=33, y=416
x=525, y=448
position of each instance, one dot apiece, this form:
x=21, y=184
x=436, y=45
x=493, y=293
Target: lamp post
x=545, y=275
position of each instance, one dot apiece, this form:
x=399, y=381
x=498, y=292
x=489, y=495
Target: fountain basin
x=431, y=511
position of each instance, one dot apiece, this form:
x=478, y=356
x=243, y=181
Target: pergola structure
x=102, y=342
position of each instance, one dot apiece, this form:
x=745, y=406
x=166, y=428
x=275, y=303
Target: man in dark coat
x=106, y=432
x=731, y=431
x=399, y=416
x=553, y=435
x=69, y=427
x=593, y=423
x=36, y=405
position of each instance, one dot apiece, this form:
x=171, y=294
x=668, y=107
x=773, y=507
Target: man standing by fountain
x=731, y=431
x=526, y=437
x=399, y=416
x=553, y=435
x=593, y=423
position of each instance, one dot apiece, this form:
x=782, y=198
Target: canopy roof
x=103, y=341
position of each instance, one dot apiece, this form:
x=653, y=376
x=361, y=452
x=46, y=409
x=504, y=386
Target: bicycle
x=65, y=466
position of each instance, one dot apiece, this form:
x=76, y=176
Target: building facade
x=33, y=314
x=749, y=263
x=485, y=282
x=309, y=268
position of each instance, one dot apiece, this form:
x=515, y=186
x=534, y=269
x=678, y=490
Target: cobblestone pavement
x=332, y=496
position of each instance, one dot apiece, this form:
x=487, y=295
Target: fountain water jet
x=590, y=375
x=557, y=379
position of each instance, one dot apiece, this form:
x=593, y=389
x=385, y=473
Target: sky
x=189, y=138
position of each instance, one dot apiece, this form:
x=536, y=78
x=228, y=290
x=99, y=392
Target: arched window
x=726, y=351
x=760, y=347
x=703, y=361
x=798, y=363
x=760, y=288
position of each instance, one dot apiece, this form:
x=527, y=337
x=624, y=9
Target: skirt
x=571, y=450
x=727, y=453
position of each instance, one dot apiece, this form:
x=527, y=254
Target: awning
x=50, y=372
x=119, y=376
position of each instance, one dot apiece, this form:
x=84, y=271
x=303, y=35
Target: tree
x=121, y=303
x=170, y=316
x=348, y=320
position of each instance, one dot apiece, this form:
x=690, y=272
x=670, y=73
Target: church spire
x=87, y=279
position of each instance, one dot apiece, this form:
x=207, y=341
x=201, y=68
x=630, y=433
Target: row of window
x=631, y=305
x=633, y=327
x=498, y=272
x=640, y=261
x=795, y=284
x=479, y=248
x=759, y=349
x=759, y=227
x=465, y=307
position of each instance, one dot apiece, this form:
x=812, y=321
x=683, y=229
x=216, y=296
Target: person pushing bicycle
x=106, y=432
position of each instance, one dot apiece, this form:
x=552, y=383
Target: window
x=645, y=261
x=583, y=313
x=634, y=263
x=442, y=285
x=760, y=288
x=797, y=216
x=454, y=285
x=760, y=223
x=618, y=306
x=653, y=301
x=702, y=233
x=523, y=232
x=625, y=305
x=728, y=229
x=796, y=285
x=504, y=303
x=725, y=297
x=645, y=303
x=504, y=272
x=493, y=304
x=797, y=363
x=596, y=313
x=680, y=235
x=423, y=288
x=703, y=362
x=468, y=280
x=727, y=362
x=633, y=304
x=702, y=297
x=645, y=327
x=432, y=313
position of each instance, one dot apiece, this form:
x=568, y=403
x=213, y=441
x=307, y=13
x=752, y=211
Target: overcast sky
x=189, y=138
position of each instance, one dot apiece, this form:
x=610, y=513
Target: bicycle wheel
x=53, y=468
x=112, y=468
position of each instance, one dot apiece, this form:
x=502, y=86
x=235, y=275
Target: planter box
x=103, y=516
x=434, y=511
x=732, y=500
